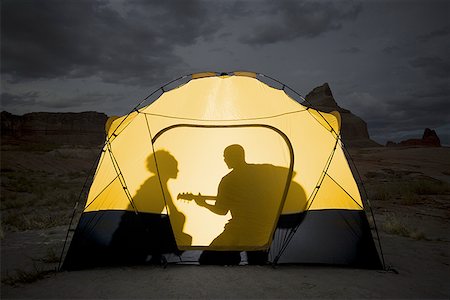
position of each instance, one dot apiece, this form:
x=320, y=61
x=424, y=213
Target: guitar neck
x=204, y=197
x=190, y=196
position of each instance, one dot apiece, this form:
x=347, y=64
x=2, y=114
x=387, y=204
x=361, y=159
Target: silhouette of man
x=244, y=192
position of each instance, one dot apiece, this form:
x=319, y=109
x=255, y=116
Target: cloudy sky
x=386, y=61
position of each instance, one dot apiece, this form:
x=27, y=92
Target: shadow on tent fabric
x=149, y=235
x=253, y=194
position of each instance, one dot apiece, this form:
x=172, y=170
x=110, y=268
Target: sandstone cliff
x=354, y=130
x=85, y=128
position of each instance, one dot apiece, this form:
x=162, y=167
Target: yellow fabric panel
x=313, y=145
x=133, y=151
x=158, y=123
x=117, y=125
x=244, y=73
x=336, y=127
x=223, y=98
x=332, y=196
x=340, y=171
x=109, y=123
x=132, y=155
x=104, y=175
x=203, y=75
x=113, y=195
x=197, y=166
x=330, y=121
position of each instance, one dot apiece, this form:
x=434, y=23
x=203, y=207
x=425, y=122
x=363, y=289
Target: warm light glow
x=199, y=152
x=176, y=145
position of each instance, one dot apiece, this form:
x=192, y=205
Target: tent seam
x=210, y=120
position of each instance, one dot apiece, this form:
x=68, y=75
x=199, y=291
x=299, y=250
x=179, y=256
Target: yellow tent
x=223, y=164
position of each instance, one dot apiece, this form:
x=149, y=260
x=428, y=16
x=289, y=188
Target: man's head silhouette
x=234, y=156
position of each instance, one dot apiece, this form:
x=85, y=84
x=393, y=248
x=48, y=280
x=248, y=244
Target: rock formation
x=86, y=128
x=354, y=130
x=429, y=139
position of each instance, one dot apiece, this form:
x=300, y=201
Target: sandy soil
x=413, y=223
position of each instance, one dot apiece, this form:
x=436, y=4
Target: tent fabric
x=168, y=161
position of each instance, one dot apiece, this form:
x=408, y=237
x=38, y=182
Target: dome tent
x=163, y=189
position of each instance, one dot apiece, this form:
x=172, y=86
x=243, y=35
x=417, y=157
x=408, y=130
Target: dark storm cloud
x=391, y=49
x=350, y=50
x=176, y=22
x=38, y=101
x=432, y=66
x=437, y=89
x=27, y=98
x=48, y=39
x=406, y=115
x=70, y=102
x=385, y=56
x=442, y=32
x=288, y=20
x=51, y=38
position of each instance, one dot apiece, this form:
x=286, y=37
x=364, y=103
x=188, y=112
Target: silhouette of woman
x=142, y=234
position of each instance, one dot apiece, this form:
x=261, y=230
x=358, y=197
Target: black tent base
x=330, y=237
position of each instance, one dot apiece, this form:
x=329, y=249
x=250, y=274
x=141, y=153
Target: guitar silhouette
x=190, y=197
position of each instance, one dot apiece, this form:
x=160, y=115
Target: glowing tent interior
x=223, y=169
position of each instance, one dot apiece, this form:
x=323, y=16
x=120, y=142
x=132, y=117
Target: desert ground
x=408, y=189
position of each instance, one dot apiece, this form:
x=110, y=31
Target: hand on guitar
x=199, y=199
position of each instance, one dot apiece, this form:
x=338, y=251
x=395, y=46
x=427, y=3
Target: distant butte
x=354, y=130
x=429, y=139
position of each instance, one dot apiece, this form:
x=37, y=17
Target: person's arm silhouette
x=216, y=208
